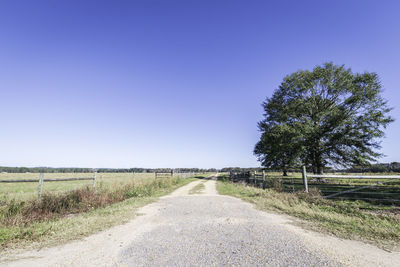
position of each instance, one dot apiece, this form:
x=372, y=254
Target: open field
x=27, y=191
x=379, y=224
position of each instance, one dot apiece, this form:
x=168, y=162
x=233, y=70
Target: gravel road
x=212, y=230
x=205, y=229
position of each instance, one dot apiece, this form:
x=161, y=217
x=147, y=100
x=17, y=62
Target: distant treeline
x=379, y=167
x=80, y=170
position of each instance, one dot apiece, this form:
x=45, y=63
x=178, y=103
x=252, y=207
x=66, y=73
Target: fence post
x=41, y=178
x=172, y=173
x=255, y=177
x=304, y=174
x=94, y=179
x=263, y=175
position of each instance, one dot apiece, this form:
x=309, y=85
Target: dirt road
x=207, y=229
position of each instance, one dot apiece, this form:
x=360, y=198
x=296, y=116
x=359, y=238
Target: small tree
x=335, y=116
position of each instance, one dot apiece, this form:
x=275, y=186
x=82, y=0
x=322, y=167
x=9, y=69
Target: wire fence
x=375, y=189
x=26, y=185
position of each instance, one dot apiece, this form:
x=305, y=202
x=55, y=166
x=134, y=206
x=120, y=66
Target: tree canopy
x=327, y=116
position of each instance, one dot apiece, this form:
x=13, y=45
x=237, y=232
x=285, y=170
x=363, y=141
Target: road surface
x=207, y=229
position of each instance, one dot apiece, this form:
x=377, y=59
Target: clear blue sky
x=172, y=83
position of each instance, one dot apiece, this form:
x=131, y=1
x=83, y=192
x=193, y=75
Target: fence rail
x=257, y=180
x=44, y=180
x=354, y=176
x=41, y=180
x=384, y=190
x=377, y=192
x=163, y=174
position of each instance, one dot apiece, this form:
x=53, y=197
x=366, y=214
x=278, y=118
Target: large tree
x=334, y=117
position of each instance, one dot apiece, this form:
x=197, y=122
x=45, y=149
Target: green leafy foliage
x=327, y=116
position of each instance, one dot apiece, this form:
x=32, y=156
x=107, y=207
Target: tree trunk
x=320, y=170
x=284, y=170
x=314, y=169
x=317, y=165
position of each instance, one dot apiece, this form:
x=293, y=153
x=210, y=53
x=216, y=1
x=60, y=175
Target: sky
x=150, y=83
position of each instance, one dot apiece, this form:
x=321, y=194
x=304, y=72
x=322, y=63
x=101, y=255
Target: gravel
x=212, y=230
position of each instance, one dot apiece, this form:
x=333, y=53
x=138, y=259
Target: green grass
x=59, y=217
x=197, y=189
x=346, y=219
x=26, y=191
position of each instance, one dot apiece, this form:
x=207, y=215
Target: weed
x=197, y=189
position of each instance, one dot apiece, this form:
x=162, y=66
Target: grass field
x=348, y=219
x=27, y=191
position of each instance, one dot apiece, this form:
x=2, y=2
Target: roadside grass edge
x=348, y=220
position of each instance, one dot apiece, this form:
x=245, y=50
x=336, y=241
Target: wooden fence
x=41, y=181
x=256, y=179
x=173, y=173
x=164, y=174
